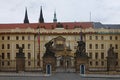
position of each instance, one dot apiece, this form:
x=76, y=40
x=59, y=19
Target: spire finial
x=26, y=20
x=55, y=18
x=41, y=19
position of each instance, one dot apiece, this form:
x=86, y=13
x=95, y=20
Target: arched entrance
x=82, y=69
x=48, y=69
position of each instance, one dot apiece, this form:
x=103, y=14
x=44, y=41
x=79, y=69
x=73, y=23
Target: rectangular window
x=116, y=38
x=90, y=63
x=23, y=37
x=116, y=55
x=102, y=55
x=8, y=55
x=8, y=46
x=2, y=63
x=96, y=37
x=90, y=46
x=29, y=56
x=102, y=38
x=96, y=46
x=96, y=55
x=23, y=46
x=90, y=55
x=17, y=46
x=8, y=38
x=116, y=46
x=102, y=63
x=28, y=46
x=110, y=37
x=3, y=46
x=29, y=63
x=102, y=46
x=8, y=63
x=96, y=63
x=17, y=38
x=2, y=37
x=3, y=56
x=90, y=37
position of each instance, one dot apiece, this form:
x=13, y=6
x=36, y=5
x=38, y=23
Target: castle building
x=99, y=38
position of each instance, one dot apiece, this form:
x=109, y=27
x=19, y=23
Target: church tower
x=55, y=18
x=41, y=19
x=26, y=20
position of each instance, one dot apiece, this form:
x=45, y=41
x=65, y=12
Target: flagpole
x=39, y=48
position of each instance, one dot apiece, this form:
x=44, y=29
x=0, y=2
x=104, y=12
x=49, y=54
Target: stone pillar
x=49, y=61
x=20, y=62
x=81, y=61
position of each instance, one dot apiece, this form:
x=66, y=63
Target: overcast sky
x=105, y=11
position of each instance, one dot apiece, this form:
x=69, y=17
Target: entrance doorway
x=48, y=69
x=82, y=69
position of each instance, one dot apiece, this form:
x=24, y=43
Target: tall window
x=23, y=37
x=23, y=45
x=28, y=46
x=102, y=46
x=17, y=46
x=110, y=37
x=8, y=63
x=90, y=37
x=29, y=63
x=8, y=46
x=2, y=37
x=110, y=45
x=2, y=63
x=3, y=56
x=17, y=38
x=102, y=38
x=3, y=46
x=8, y=38
x=116, y=46
x=8, y=55
x=90, y=46
x=29, y=37
x=102, y=63
x=96, y=55
x=91, y=63
x=90, y=55
x=116, y=38
x=96, y=46
x=96, y=63
x=96, y=37
x=102, y=55
x=29, y=55
x=116, y=55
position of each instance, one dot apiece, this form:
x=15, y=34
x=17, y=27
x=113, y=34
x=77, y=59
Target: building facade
x=33, y=37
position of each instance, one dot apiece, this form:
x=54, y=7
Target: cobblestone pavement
x=57, y=76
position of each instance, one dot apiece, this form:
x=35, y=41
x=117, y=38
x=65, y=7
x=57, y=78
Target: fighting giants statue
x=49, y=49
x=80, y=52
x=20, y=53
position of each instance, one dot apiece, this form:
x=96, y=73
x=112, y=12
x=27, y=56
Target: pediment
x=60, y=38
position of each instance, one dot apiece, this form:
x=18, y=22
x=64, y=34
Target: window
x=8, y=46
x=17, y=46
x=116, y=63
x=102, y=55
x=3, y=46
x=29, y=63
x=110, y=45
x=96, y=46
x=90, y=37
x=23, y=46
x=110, y=37
x=38, y=63
x=102, y=38
x=96, y=37
x=91, y=63
x=8, y=38
x=28, y=37
x=90, y=55
x=96, y=55
x=23, y=37
x=28, y=46
x=90, y=46
x=3, y=56
x=17, y=38
x=116, y=55
x=2, y=63
x=29, y=55
x=2, y=37
x=8, y=55
x=116, y=38
x=96, y=63
x=116, y=46
x=102, y=46
x=102, y=63
x=38, y=56
x=8, y=63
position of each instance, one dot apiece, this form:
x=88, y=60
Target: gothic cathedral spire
x=55, y=18
x=41, y=19
x=26, y=20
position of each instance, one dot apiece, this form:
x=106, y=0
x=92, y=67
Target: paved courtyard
x=58, y=76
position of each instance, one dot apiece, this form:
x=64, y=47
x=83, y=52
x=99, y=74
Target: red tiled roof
x=67, y=25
